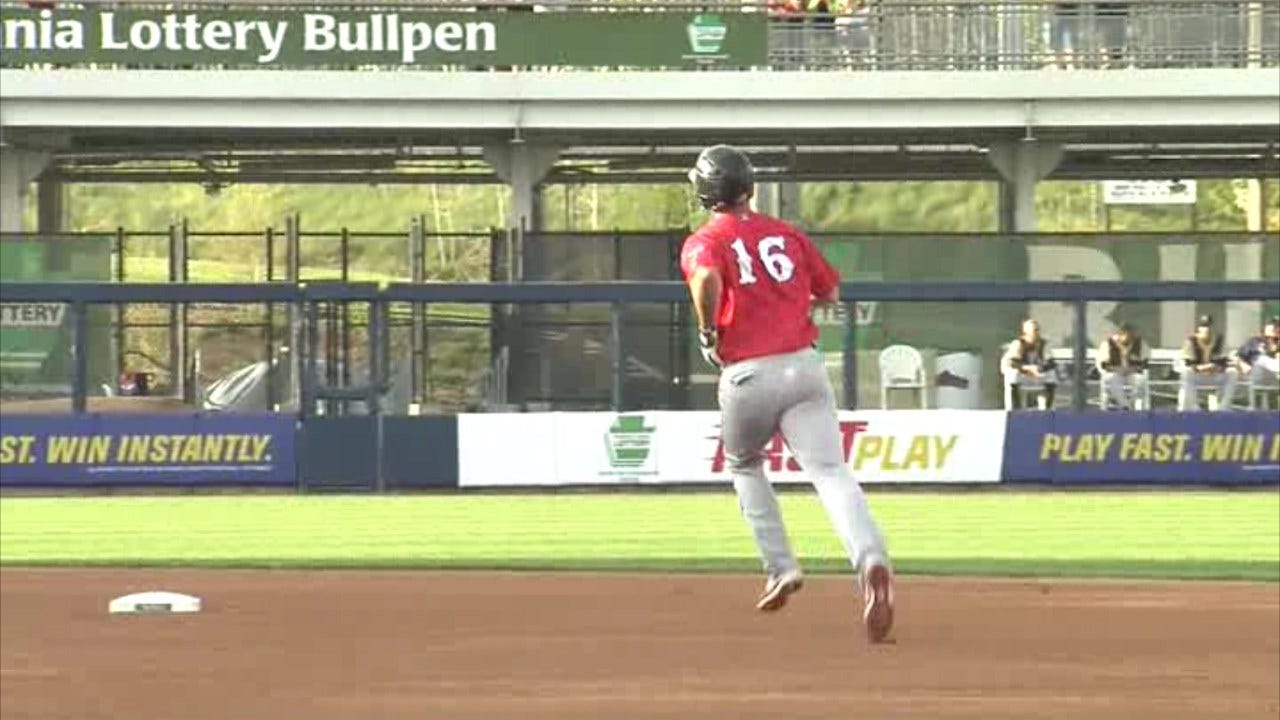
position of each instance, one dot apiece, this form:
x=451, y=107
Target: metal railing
x=961, y=35
x=617, y=296
x=993, y=36
x=555, y=352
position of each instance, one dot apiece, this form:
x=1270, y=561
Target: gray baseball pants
x=792, y=394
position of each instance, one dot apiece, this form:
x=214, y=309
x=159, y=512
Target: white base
x=156, y=601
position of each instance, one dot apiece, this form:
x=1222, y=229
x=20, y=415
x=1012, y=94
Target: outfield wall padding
x=147, y=450
x=1070, y=448
x=420, y=452
x=544, y=450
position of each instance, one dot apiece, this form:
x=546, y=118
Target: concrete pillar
x=766, y=198
x=789, y=201
x=18, y=169
x=1022, y=164
x=50, y=206
x=522, y=165
x=1004, y=206
x=779, y=199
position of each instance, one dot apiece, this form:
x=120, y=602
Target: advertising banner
x=936, y=446
x=35, y=338
x=1149, y=192
x=1158, y=447
x=293, y=38
x=130, y=450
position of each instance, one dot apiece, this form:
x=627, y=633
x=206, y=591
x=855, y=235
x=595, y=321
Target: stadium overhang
x=574, y=108
x=423, y=127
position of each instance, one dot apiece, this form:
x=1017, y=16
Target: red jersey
x=770, y=274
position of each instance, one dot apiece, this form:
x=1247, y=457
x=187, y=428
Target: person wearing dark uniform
x=1122, y=363
x=1205, y=365
x=1259, y=357
x=1027, y=367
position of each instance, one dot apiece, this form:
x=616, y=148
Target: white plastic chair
x=902, y=368
x=1139, y=398
x=1258, y=392
x=1257, y=389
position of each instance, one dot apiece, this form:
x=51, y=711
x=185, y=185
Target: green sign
x=629, y=442
x=297, y=39
x=35, y=338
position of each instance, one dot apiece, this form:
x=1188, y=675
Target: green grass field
x=1177, y=535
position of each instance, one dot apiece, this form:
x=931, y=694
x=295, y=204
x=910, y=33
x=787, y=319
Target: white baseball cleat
x=777, y=588
x=877, y=594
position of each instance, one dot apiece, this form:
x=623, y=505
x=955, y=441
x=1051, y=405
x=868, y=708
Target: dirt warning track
x=389, y=644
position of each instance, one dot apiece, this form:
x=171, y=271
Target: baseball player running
x=753, y=279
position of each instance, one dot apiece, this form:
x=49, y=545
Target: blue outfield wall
x=341, y=453
x=1227, y=448
x=243, y=450
x=1062, y=448
x=168, y=450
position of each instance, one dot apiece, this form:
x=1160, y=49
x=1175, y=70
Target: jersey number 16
x=773, y=255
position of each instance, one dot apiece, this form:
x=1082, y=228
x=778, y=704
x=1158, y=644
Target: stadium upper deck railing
x=876, y=35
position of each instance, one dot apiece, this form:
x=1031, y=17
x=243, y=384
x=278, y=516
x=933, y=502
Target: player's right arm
x=700, y=262
x=704, y=287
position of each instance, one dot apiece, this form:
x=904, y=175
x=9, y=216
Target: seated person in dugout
x=1259, y=356
x=1205, y=364
x=1027, y=367
x=1122, y=363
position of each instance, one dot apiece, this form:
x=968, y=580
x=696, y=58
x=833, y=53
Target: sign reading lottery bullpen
x=286, y=37
x=684, y=447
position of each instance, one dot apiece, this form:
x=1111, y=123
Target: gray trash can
x=957, y=381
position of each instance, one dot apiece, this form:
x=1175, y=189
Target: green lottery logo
x=629, y=443
x=706, y=34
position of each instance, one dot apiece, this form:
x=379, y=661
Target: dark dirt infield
x=387, y=645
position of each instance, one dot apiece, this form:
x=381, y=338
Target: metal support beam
x=272, y=357
x=306, y=401
x=177, y=313
x=121, y=310
x=1079, y=353
x=377, y=356
x=849, y=356
x=617, y=356
x=418, y=366
x=80, y=357
x=293, y=314
x=344, y=326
